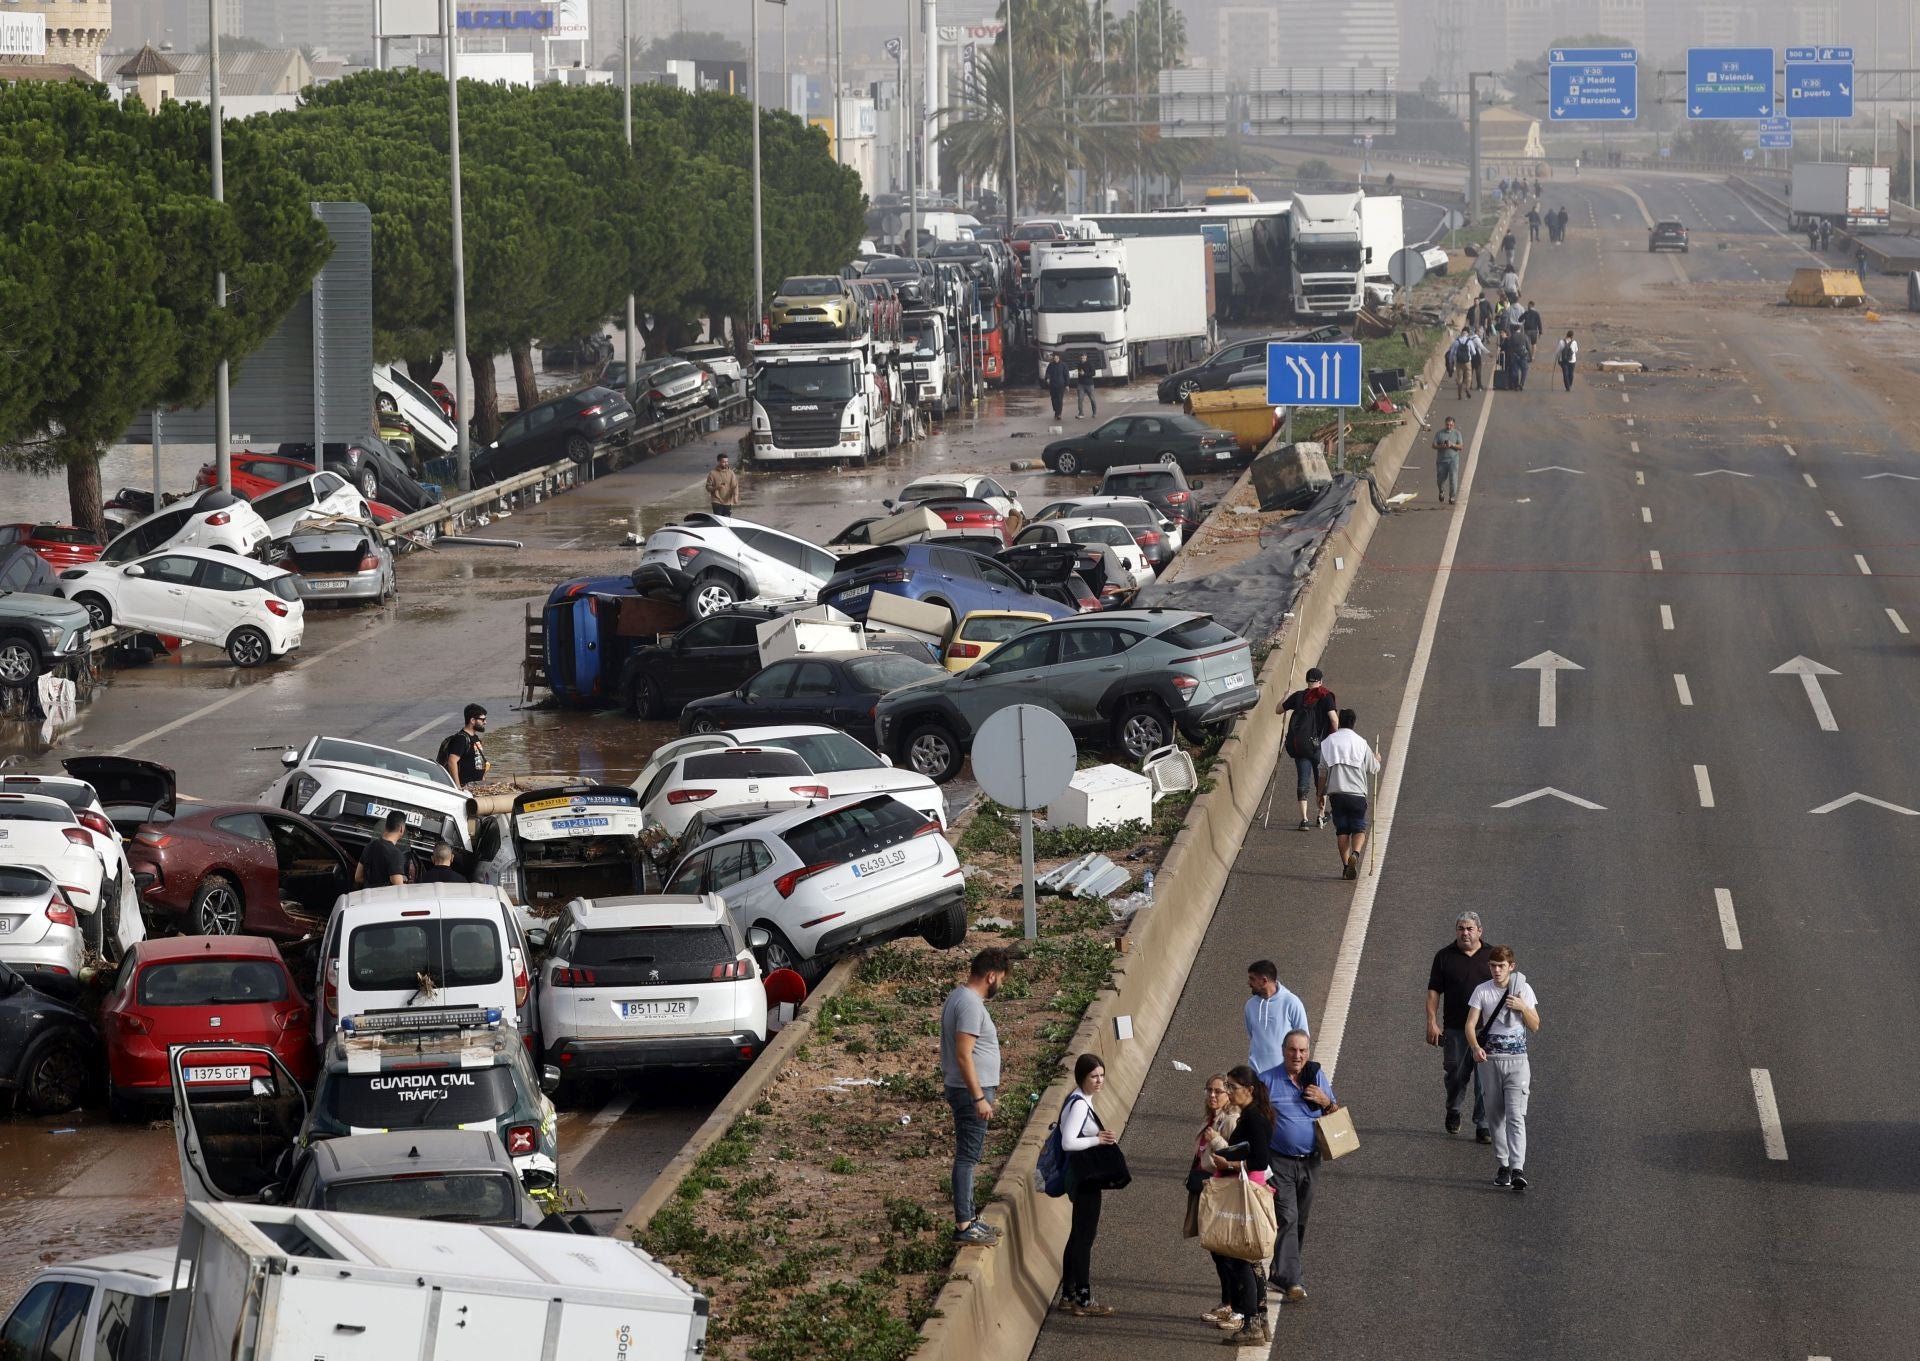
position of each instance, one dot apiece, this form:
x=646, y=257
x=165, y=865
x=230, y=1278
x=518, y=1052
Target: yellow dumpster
x=1242, y=412
x=1826, y=288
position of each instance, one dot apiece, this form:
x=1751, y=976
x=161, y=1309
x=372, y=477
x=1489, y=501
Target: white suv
x=349, y=788
x=812, y=884
x=712, y=563
x=649, y=982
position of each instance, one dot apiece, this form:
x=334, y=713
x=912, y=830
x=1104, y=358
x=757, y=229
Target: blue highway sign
x=1596, y=84
x=1820, y=82
x=1313, y=375
x=1730, y=82
x=1776, y=134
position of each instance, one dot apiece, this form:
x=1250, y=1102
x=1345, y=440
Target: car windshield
x=1135, y=484
x=72, y=793
x=934, y=491
x=455, y=952
x=1077, y=291
x=1112, y=534
x=740, y=763
x=812, y=288
x=829, y=382
x=858, y=829
x=212, y=982
x=1199, y=633
x=826, y=752
x=63, y=534
x=381, y=758
x=995, y=628
x=417, y=1098
x=16, y=882
x=639, y=955
x=1036, y=231
x=455, y=1197
x=881, y=674
x=34, y=810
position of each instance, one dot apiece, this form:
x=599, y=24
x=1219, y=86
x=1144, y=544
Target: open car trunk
x=578, y=841
x=132, y=792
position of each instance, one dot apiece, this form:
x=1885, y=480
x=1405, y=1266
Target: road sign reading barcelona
x=1592, y=83
x=1313, y=375
x=1820, y=82
x=1730, y=82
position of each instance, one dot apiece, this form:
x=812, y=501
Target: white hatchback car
x=213, y=519
x=694, y=779
x=713, y=562
x=118, y=925
x=812, y=884
x=39, y=928
x=961, y=486
x=321, y=496
x=204, y=596
x=649, y=982
x=841, y=765
x=1120, y=549
x=40, y=832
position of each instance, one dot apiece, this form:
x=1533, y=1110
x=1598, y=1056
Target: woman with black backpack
x=1094, y=1166
x=1313, y=709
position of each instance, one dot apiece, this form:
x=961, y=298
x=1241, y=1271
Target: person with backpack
x=1080, y=1134
x=1567, y=356
x=1246, y=1324
x=1313, y=711
x=1300, y=1093
x=1500, y=1014
x=464, y=754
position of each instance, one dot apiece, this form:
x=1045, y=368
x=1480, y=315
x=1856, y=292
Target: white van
x=423, y=945
x=396, y=393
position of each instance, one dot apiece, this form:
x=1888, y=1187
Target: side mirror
x=888, y=503
x=758, y=939
x=537, y=937
x=1195, y=486
x=289, y=758
x=133, y=569
x=549, y=1079
x=885, y=759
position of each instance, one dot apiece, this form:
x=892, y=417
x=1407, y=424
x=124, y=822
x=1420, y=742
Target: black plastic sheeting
x=1252, y=597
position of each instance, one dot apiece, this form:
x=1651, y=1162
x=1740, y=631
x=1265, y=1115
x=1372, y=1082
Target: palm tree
x=974, y=140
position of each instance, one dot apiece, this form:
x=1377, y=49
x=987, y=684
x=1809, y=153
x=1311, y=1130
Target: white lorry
x=1145, y=301
x=1834, y=191
x=1383, y=231
x=823, y=402
x=1329, y=254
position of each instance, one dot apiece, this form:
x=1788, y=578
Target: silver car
x=39, y=926
x=36, y=632
x=340, y=562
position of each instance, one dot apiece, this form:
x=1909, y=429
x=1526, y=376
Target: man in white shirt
x=1500, y=1014
x=1350, y=765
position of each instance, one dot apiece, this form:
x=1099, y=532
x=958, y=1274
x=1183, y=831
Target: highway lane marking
x=1789, y=449
x=1639, y=479
x=1898, y=622
x=235, y=696
x=1772, y=424
x=1633, y=446
x=1549, y=665
x=1703, y=786
x=1857, y=797
x=1646, y=515
x=1836, y=520
x=1808, y=477
x=430, y=723
x=1860, y=561
x=1772, y=1136
x=1653, y=556
x=604, y=1119
x=1756, y=398
x=1729, y=928
x=1685, y=691
x=1809, y=671
x=1625, y=398
x=1666, y=617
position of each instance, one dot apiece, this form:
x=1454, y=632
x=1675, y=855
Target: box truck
x=1845, y=195
x=1126, y=304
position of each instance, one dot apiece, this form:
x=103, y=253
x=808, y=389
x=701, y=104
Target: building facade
x=76, y=31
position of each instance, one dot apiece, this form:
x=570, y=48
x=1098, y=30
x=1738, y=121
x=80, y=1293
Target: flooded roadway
x=398, y=676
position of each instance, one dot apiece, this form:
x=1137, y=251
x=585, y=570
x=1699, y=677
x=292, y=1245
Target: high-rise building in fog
x=1352, y=33
x=1249, y=38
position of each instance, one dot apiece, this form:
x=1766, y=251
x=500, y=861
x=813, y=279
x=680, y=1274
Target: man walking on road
x=1499, y=1015
x=1519, y=359
x=1272, y=1014
x=1530, y=323
x=1083, y=388
x=1057, y=384
x=1567, y=356
x=1860, y=264
x=1460, y=359
x=1301, y=1093
x=1533, y=223
x=1446, y=466
x=1350, y=764
x=1508, y=245
x=1458, y=968
x=723, y=487
x=1313, y=710
x=970, y=1069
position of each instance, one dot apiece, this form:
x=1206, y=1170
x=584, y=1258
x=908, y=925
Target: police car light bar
x=423, y=1018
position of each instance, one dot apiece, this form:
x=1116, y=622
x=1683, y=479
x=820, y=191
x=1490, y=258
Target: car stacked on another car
x=200, y=595
x=1162, y=485
x=1219, y=369
x=213, y=519
x=713, y=562
x=662, y=387
x=706, y=657
x=1157, y=536
x=575, y=426
x=349, y=787
x=953, y=578
x=344, y=562
x=815, y=307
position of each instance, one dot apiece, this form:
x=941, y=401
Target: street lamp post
x=222, y=417
x=626, y=119
x=1473, y=141
x=462, y=399
x=911, y=121
x=759, y=260
x=1013, y=145
x=839, y=140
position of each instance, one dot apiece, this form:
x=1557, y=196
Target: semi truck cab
x=813, y=403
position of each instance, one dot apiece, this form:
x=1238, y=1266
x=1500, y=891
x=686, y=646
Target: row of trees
x=109, y=239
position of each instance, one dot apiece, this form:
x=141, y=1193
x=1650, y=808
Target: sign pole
x=1032, y=919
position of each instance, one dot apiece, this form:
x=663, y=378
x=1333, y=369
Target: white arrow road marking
x=1703, y=786
x=1549, y=665
x=1843, y=801
x=1556, y=468
x=1729, y=927
x=1772, y=1137
x=1551, y=792
x=1902, y=476
x=1810, y=672
x=1722, y=472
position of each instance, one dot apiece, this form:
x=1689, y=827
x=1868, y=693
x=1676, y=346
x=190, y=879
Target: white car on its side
x=713, y=562
x=202, y=595
x=812, y=884
x=349, y=787
x=841, y=765
x=322, y=496
x=213, y=519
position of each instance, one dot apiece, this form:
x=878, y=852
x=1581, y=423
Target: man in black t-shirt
x=384, y=861
x=1313, y=711
x=441, y=870
x=465, y=753
x=1458, y=968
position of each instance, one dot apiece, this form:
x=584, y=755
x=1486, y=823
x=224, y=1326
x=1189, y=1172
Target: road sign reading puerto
x=1776, y=134
x=1313, y=375
x=1820, y=82
x=1730, y=82
x=1597, y=84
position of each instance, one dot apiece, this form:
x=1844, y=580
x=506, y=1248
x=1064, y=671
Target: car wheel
x=933, y=751
x=1142, y=727
x=643, y=699
x=1185, y=388
x=580, y=449
x=1167, y=458
x=386, y=405
x=19, y=661
x=947, y=929
x=53, y=1077
x=780, y=954
x=96, y=607
x=248, y=648
x=711, y=594
x=1066, y=463
x=218, y=909
x=369, y=484
x=702, y=724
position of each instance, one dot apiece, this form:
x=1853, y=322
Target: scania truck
x=822, y=402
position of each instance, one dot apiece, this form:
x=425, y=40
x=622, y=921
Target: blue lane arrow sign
x=1730, y=83
x=1313, y=375
x=1592, y=84
x=1819, y=82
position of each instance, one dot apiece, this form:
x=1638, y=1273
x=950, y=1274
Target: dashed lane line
x=1653, y=557
x=1729, y=927
x=1898, y=623
x=1703, y=786
x=1772, y=1136
x=1808, y=478
x=1684, y=690
x=1836, y=520
x=1646, y=515
x=1860, y=561
x=1666, y=617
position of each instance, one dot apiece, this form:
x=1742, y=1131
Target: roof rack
x=419, y=1019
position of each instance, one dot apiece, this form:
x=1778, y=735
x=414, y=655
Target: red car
x=60, y=545
x=1027, y=233
x=192, y=989
x=257, y=474
x=239, y=868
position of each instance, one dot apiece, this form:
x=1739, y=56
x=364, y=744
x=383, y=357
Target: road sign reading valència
x=1313, y=375
x=1730, y=83
x=1592, y=84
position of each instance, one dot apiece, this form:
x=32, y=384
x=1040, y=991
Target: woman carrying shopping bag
x=1095, y=1165
x=1216, y=1133
x=1231, y=1208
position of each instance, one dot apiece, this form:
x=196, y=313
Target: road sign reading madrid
x=1313, y=375
x=1591, y=83
x=1730, y=82
x=1820, y=82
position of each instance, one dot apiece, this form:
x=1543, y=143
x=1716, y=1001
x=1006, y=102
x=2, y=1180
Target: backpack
x=1050, y=1169
x=446, y=750
x=1308, y=724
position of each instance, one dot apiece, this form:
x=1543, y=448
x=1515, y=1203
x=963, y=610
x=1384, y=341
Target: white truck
x=1845, y=195
x=1329, y=254
x=1383, y=231
x=822, y=402
x=930, y=363
x=1144, y=301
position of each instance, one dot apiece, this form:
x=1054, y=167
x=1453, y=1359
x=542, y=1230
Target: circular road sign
x=1407, y=268
x=1024, y=757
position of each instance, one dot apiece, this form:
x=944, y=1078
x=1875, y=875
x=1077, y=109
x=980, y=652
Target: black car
x=47, y=1044
x=375, y=469
x=914, y=280
x=1668, y=235
x=577, y=352
x=574, y=426
x=1212, y=373
x=837, y=689
x=718, y=653
x=1163, y=487
x=1172, y=439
